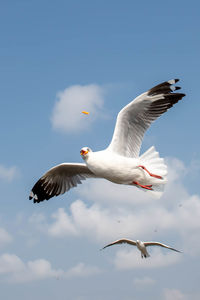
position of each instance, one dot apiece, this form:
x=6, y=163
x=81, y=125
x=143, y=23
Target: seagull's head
x=85, y=152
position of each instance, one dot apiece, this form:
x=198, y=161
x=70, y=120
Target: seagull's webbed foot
x=147, y=187
x=152, y=175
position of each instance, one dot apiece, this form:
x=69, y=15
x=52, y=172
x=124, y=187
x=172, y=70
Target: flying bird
x=140, y=245
x=120, y=161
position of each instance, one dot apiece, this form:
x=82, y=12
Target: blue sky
x=113, y=50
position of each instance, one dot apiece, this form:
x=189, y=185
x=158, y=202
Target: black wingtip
x=103, y=248
x=182, y=95
x=173, y=81
x=179, y=251
x=164, y=87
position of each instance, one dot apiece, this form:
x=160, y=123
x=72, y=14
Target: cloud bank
x=13, y=269
x=8, y=174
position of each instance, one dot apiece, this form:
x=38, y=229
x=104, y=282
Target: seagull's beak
x=82, y=152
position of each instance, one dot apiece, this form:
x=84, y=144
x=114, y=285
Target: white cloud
x=13, y=269
x=63, y=224
x=5, y=237
x=82, y=270
x=131, y=259
x=174, y=294
x=99, y=223
x=103, y=224
x=83, y=221
x=8, y=173
x=143, y=282
x=10, y=263
x=67, y=115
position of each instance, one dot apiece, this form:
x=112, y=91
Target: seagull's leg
x=147, y=187
x=153, y=175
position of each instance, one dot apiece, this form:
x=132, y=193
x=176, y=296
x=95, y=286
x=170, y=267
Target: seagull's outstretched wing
x=159, y=244
x=58, y=180
x=136, y=117
x=122, y=241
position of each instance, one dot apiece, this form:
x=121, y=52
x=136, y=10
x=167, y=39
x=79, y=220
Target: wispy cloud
x=177, y=294
x=8, y=173
x=174, y=294
x=82, y=270
x=144, y=281
x=5, y=237
x=67, y=116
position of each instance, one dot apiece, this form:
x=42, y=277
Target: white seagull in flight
x=140, y=245
x=120, y=162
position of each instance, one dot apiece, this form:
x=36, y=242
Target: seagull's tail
x=156, y=165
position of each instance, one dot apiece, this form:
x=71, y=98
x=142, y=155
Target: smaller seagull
x=141, y=246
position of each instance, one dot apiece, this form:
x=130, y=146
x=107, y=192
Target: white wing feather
x=59, y=180
x=136, y=117
x=160, y=244
x=121, y=241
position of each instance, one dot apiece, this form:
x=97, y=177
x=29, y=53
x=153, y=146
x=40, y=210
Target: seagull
x=120, y=162
x=141, y=246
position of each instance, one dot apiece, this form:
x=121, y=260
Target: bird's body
x=108, y=165
x=142, y=246
x=118, y=169
x=120, y=163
